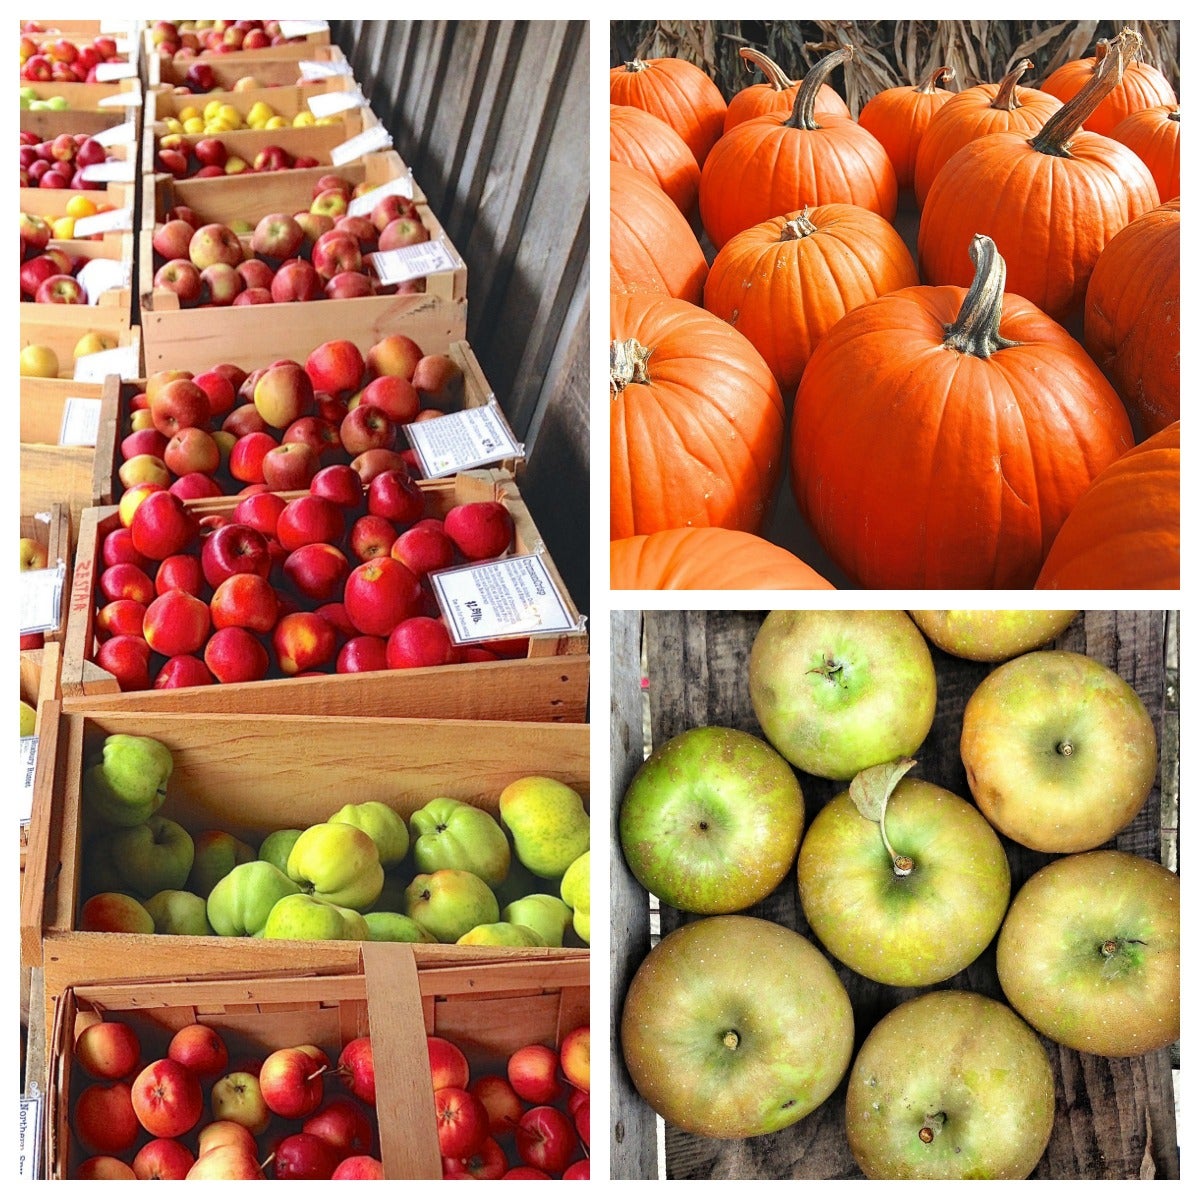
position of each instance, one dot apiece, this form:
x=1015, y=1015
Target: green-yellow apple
x=150, y=857
x=548, y=823
x=991, y=635
x=449, y=902
x=338, y=863
x=239, y=904
x=308, y=918
x=576, y=890
x=129, y=782
x=217, y=853
x=549, y=916
x=276, y=847
x=382, y=824
x=450, y=833
x=395, y=927
x=501, y=933
x=179, y=912
x=28, y=719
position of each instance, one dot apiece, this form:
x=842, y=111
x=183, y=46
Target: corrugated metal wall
x=492, y=116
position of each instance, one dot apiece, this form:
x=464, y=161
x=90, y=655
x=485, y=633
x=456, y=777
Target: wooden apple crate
x=52, y=202
x=286, y=99
x=39, y=684
x=91, y=107
x=316, y=41
x=278, y=67
x=549, y=685
x=1115, y=1117
x=113, y=311
x=51, y=526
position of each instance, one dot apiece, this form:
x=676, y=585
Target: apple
x=450, y=834
x=39, y=362
x=344, y=1125
x=525, y=1173
x=389, y=208
x=307, y=519
x=192, y=449
x=296, y=280
x=316, y=571
x=120, y=618
x=439, y=382
x=734, y=1026
x=317, y=434
x=371, y=536
x=234, y=549
x=304, y=1156
x=395, y=496
x=462, y=1122
x=260, y=512
x=34, y=556
x=245, y=600
x=575, y=1057
x=449, y=903
x=396, y=354
x=200, y=1048
x=1059, y=750
x=503, y=1105
x=172, y=238
x=247, y=455
x=546, y=1139
x=179, y=404
x=292, y=1082
x=181, y=670
x=167, y=1099
x=144, y=468
x=448, y=1065
x=127, y=659
x=222, y=284
x=356, y=1064
x=238, y=1097
x=108, y=1050
x=244, y=419
x=103, y=1118
x=367, y=428
x=256, y=273
x=835, y=692
x=215, y=243
x=60, y=289
x=487, y=1161
x=176, y=623
x=481, y=530
x=379, y=594
x=950, y=1085
x=370, y=463
x=349, y=285
x=162, y=526
x=337, y=862
x=289, y=466
x=1089, y=953
x=227, y=1162
x=533, y=1073
x=338, y=482
x=991, y=635
x=359, y=1166
x=334, y=253
x=283, y=394
x=335, y=366
x=253, y=295
x=424, y=547
x=163, y=1158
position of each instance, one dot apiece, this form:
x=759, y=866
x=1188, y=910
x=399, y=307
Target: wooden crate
x=51, y=526
x=52, y=202
x=91, y=107
x=286, y=99
x=1115, y=1117
x=39, y=685
x=293, y=50
x=270, y=70
x=548, y=685
x=113, y=311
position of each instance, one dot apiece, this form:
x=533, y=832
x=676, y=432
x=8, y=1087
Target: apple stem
x=266, y=1162
x=318, y=1071
x=1066, y=749
x=731, y=1039
x=932, y=1127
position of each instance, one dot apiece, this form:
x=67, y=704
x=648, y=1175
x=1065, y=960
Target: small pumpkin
x=778, y=94
x=643, y=141
x=696, y=421
x=677, y=92
x=899, y=116
x=1153, y=135
x=707, y=558
x=1124, y=532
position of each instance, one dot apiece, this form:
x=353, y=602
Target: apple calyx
x=870, y=790
x=1066, y=749
x=932, y=1127
x=830, y=669
x=731, y=1039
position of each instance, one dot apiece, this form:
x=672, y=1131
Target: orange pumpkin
x=786, y=282
x=1124, y=532
x=941, y=436
x=778, y=94
x=676, y=91
x=1051, y=202
x=650, y=145
x=707, y=558
x=651, y=246
x=1153, y=135
x=783, y=161
x=696, y=421
x=899, y=116
x=1131, y=316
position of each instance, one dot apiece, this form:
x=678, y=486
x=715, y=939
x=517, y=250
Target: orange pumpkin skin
x=1124, y=532
x=922, y=466
x=643, y=141
x=677, y=92
x=778, y=94
x=1153, y=135
x=786, y=282
x=707, y=558
x=899, y=117
x=701, y=441
x=651, y=246
x=1131, y=316
x=1141, y=86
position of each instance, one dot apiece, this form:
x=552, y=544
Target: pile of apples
x=47, y=273
x=63, y=61
x=222, y=116
x=181, y=40
x=32, y=102
x=37, y=231
x=186, y=1115
x=39, y=361
x=210, y=156
x=59, y=162
x=199, y=79
x=532, y=1122
x=316, y=253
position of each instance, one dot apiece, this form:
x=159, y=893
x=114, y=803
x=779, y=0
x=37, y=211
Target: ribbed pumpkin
x=678, y=92
x=783, y=161
x=696, y=430
x=1153, y=135
x=786, y=282
x=648, y=144
x=940, y=437
x=1131, y=316
x=1051, y=202
x=707, y=558
x=899, y=116
x=778, y=94
x=651, y=246
x=977, y=111
x=1124, y=532
x=1141, y=86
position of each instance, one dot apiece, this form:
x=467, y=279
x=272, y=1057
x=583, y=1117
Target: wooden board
x=1115, y=1117
x=282, y=69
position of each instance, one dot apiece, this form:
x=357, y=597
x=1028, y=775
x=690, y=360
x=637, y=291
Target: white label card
x=129, y=99
x=291, y=29
x=412, y=262
x=117, y=135
x=29, y=751
x=117, y=221
x=113, y=171
x=375, y=138
x=29, y=1138
x=506, y=597
x=324, y=70
x=108, y=71
x=98, y=275
x=41, y=598
x=80, y=421
x=461, y=440
x=326, y=104
x=364, y=205
x=95, y=368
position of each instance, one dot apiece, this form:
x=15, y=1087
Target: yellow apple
x=39, y=362
x=28, y=719
x=93, y=342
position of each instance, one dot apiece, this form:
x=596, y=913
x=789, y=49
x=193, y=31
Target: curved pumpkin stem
x=803, y=111
x=627, y=364
x=1006, y=93
x=771, y=69
x=1055, y=137
x=930, y=84
x=797, y=227
x=977, y=329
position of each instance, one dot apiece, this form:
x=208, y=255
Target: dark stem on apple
x=1065, y=749
x=731, y=1039
x=932, y=1127
x=1113, y=945
x=829, y=670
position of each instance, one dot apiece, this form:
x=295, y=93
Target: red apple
x=343, y=1124
x=120, y=618
x=335, y=366
x=179, y=571
x=482, y=529
x=462, y=1122
x=127, y=659
x=104, y=1119
x=533, y=1073
x=335, y=252
x=504, y=1107
x=211, y=152
x=304, y=1156
x=349, y=285
x=176, y=623
x=222, y=284
x=359, y=1166
x=200, y=1048
x=395, y=395
x=424, y=547
x=339, y=483
x=439, y=382
x=357, y=1063
x=118, y=547
x=487, y=1162
x=403, y=231
x=108, y=1050
x=162, y=526
x=289, y=466
x=303, y=641
x=256, y=273
x=362, y=653
x=316, y=432
x=60, y=289
x=448, y=1065
x=379, y=594
x=308, y=519
x=261, y=511
x=367, y=428
x=163, y=1158
x=179, y=404
x=371, y=536
x=227, y=1162
x=525, y=1173
x=143, y=441
x=183, y=670
x=580, y=1169
x=316, y=571
x=247, y=456
x=215, y=243
x=167, y=1099
x=296, y=280
x=359, y=228
x=396, y=354
x=234, y=549
x=395, y=496
x=192, y=449
x=126, y=581
x=370, y=463
x=253, y=295
x=420, y=642
x=172, y=238
x=389, y=208
x=235, y=655
x=546, y=1139
x=283, y=394
x=245, y=601
x=277, y=236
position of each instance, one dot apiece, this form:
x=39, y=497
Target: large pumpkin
x=786, y=282
x=707, y=558
x=778, y=94
x=651, y=246
x=678, y=92
x=643, y=141
x=781, y=162
x=1124, y=532
x=899, y=117
x=1153, y=135
x=974, y=113
x=1051, y=202
x=1131, y=316
x=941, y=436
x=696, y=429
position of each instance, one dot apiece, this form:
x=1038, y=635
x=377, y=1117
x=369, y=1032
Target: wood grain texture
x=1115, y=1117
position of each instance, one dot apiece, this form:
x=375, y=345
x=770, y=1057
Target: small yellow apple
x=81, y=206
x=28, y=719
x=93, y=342
x=39, y=362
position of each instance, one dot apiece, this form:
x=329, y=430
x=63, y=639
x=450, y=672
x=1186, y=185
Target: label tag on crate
x=458, y=441
x=41, y=599
x=100, y=275
x=412, y=262
x=29, y=1138
x=293, y=28
x=107, y=72
x=324, y=70
x=129, y=99
x=29, y=751
x=506, y=597
x=325, y=104
x=375, y=138
x=80, y=421
x=115, y=170
x=94, y=368
x=117, y=135
x=402, y=185
x=118, y=221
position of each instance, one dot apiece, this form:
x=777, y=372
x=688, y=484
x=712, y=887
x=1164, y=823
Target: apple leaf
x=871, y=789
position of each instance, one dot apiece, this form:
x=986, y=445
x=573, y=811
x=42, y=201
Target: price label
x=507, y=597
x=80, y=421
x=375, y=138
x=291, y=29
x=458, y=441
x=326, y=104
x=94, y=368
x=115, y=170
x=402, y=185
x=129, y=99
x=412, y=262
x=118, y=135
x=29, y=751
x=117, y=221
x=107, y=72
x=41, y=599
x=29, y=1138
x=324, y=70
x=100, y=275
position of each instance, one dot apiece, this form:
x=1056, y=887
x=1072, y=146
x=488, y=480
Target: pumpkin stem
x=627, y=364
x=636, y=65
x=797, y=227
x=930, y=84
x=803, y=111
x=1173, y=116
x=977, y=329
x=1006, y=94
x=771, y=69
x=1055, y=136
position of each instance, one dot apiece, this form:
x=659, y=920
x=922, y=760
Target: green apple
x=307, y=918
x=383, y=825
x=549, y=916
x=276, y=847
x=239, y=904
x=217, y=853
x=450, y=902
x=395, y=927
x=339, y=863
x=128, y=784
x=150, y=857
x=501, y=933
x=991, y=635
x=28, y=719
x=712, y=821
x=461, y=836
x=576, y=890
x=548, y=823
x=179, y=912
x=839, y=690
x=950, y=1085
